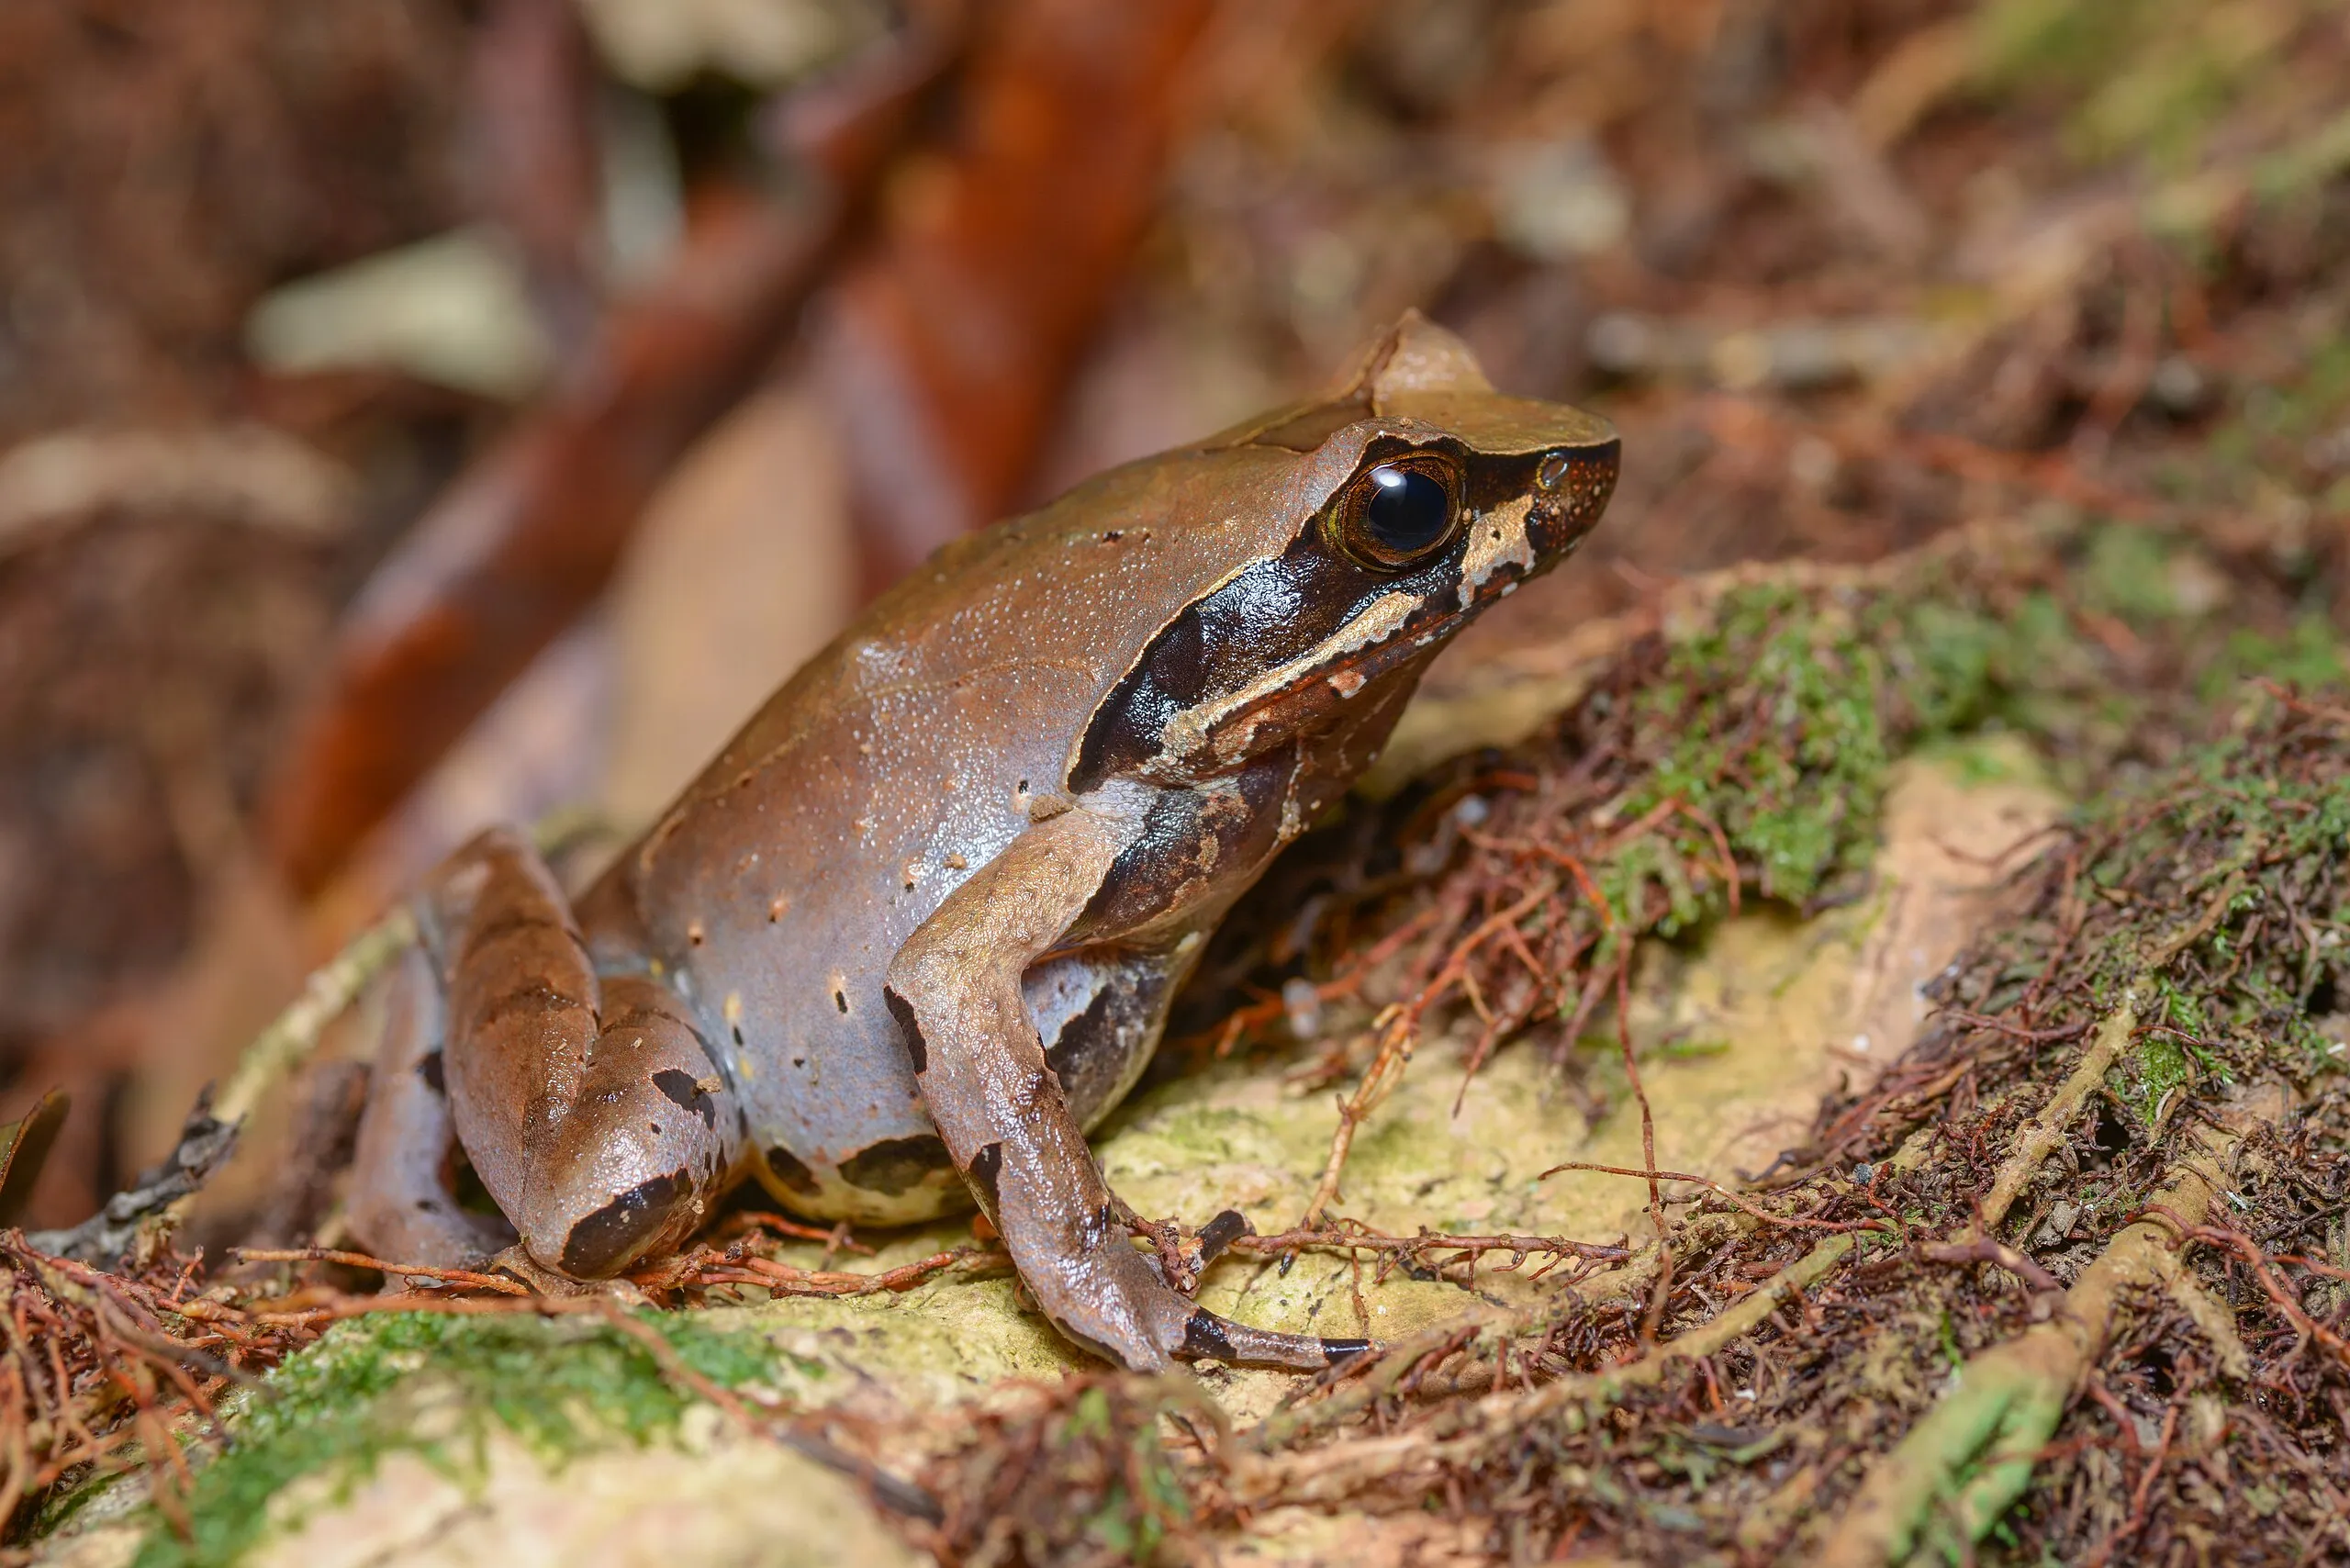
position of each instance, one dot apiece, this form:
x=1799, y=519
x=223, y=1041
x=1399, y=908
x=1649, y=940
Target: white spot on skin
x=1497, y=540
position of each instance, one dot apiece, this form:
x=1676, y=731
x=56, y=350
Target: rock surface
x=1739, y=1033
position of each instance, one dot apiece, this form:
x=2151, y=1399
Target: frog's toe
x=1123, y=1311
x=1208, y=1338
x=598, y=1233
x=635, y=1181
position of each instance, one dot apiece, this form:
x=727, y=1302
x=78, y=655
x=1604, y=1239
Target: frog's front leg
x=954, y=989
x=588, y=1106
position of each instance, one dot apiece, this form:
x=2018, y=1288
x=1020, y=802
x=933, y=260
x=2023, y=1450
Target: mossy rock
x=430, y=1440
x=1938, y=743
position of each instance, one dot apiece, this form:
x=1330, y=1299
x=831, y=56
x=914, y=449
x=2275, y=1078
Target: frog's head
x=1387, y=513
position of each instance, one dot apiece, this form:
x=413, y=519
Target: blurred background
x=421, y=412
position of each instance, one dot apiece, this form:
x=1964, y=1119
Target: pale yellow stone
x=1738, y=1035
x=731, y=1502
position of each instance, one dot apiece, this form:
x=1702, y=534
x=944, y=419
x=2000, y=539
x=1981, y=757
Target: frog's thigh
x=955, y=988
x=400, y=1204
x=591, y=1110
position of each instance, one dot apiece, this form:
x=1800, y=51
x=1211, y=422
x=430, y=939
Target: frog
x=914, y=930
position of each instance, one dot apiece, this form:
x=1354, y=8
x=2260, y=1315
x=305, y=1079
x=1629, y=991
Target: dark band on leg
x=909, y=1029
x=1222, y=1232
x=607, y=1240
x=685, y=1091
x=987, y=1169
x=898, y=1165
x=792, y=1172
x=1204, y=1339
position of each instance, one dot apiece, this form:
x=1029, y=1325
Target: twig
x=1386, y=1068
x=1984, y=1250
x=1467, y=1432
x=1972, y=1453
x=2045, y=1133
x=898, y=1496
x=294, y=1034
x=1784, y=1222
x=2140, y=1495
x=497, y=1283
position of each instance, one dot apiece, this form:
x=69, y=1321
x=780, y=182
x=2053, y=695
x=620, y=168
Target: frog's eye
x=1400, y=511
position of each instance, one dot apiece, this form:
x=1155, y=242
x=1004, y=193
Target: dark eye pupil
x=1408, y=510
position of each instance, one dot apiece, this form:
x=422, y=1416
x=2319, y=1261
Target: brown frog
x=916, y=929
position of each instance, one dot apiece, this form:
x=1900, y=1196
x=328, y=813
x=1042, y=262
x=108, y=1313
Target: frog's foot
x=402, y=1205
x=517, y=1261
x=591, y=1108
x=1182, y=1260
x=1208, y=1338
x=1115, y=1302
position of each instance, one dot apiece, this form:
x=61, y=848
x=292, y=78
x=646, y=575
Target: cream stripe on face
x=1187, y=733
x=1495, y=540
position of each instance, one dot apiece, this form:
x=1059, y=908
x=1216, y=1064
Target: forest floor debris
x=1718, y=1384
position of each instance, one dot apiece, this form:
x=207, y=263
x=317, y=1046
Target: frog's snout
x=1570, y=491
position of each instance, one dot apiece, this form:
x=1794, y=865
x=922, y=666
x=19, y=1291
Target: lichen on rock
x=1777, y=813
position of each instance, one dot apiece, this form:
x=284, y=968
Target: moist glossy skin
x=916, y=927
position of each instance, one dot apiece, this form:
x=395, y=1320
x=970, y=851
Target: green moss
x=1766, y=725
x=1136, y=1508
x=2229, y=867
x=2308, y=656
x=2136, y=76
x=2128, y=575
x=368, y=1387
x=2162, y=1066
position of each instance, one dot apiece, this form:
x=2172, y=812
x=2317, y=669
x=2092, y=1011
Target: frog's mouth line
x=1392, y=631
x=1196, y=728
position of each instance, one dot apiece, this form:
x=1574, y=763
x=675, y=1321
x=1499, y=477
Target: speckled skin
x=918, y=924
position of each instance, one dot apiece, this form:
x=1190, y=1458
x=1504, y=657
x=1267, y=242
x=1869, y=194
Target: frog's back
x=897, y=762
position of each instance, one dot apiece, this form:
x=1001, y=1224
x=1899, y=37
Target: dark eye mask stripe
x=1293, y=602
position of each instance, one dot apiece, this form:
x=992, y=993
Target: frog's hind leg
x=956, y=990
x=401, y=1201
x=589, y=1106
